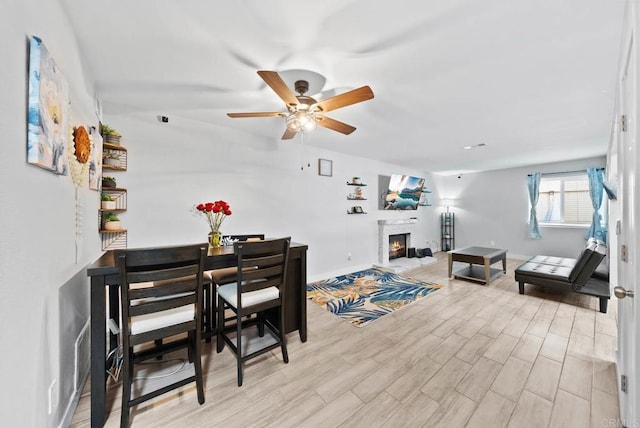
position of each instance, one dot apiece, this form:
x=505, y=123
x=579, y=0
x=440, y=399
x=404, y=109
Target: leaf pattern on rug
x=364, y=296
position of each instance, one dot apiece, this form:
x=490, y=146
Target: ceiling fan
x=303, y=112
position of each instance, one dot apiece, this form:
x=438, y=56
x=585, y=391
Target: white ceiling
x=532, y=79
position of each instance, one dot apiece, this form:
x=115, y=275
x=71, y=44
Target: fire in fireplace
x=397, y=246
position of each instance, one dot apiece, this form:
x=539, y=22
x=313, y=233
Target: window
x=565, y=200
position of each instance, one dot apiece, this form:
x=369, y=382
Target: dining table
x=105, y=306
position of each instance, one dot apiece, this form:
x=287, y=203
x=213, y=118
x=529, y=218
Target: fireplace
x=397, y=246
x=399, y=262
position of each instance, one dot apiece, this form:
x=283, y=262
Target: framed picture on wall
x=48, y=128
x=325, y=167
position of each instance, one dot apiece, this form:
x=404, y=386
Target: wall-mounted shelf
x=113, y=239
x=114, y=158
x=356, y=195
x=424, y=198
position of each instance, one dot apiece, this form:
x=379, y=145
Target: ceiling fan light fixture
x=301, y=121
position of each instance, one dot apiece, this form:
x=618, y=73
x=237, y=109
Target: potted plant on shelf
x=107, y=202
x=108, y=181
x=110, y=135
x=111, y=222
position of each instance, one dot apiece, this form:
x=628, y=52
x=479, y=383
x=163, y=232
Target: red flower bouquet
x=215, y=212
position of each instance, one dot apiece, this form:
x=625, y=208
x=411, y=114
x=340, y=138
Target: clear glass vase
x=215, y=239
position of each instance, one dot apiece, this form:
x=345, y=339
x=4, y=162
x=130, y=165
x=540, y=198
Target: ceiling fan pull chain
x=302, y=153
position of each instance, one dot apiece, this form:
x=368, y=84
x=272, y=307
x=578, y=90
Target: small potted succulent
x=108, y=181
x=107, y=202
x=110, y=135
x=111, y=222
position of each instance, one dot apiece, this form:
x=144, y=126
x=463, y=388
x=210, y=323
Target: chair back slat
x=157, y=305
x=259, y=285
x=264, y=261
x=162, y=274
x=163, y=288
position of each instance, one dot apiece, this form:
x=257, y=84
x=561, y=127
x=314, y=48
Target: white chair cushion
x=229, y=292
x=154, y=321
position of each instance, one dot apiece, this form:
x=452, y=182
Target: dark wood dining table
x=105, y=285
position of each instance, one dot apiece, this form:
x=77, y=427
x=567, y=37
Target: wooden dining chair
x=218, y=277
x=260, y=280
x=161, y=297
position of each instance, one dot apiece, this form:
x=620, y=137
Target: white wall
x=493, y=206
x=37, y=248
x=172, y=166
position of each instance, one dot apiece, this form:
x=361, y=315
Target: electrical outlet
x=493, y=243
x=349, y=256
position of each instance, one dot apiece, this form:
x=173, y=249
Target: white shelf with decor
x=425, y=198
x=356, y=195
x=113, y=198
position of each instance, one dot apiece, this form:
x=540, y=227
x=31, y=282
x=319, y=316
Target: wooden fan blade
x=258, y=114
x=335, y=125
x=352, y=97
x=276, y=83
x=289, y=134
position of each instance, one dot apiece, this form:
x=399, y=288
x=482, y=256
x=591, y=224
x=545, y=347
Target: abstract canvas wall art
x=48, y=116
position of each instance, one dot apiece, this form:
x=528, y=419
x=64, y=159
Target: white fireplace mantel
x=397, y=221
x=392, y=227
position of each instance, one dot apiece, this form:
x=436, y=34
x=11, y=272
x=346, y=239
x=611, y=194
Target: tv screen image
x=403, y=193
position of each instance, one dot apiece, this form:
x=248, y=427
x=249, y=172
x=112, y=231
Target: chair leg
x=283, y=338
x=239, y=349
x=126, y=388
x=207, y=312
x=219, y=338
x=190, y=346
x=197, y=365
x=260, y=325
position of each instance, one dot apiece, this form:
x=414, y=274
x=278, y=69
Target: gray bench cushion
x=555, y=261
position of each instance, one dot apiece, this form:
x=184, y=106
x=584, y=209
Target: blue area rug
x=365, y=296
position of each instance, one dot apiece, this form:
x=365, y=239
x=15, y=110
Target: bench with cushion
x=576, y=275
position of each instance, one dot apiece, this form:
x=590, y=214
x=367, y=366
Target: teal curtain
x=596, y=189
x=611, y=189
x=533, y=185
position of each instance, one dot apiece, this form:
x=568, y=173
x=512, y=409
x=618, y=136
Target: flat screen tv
x=403, y=193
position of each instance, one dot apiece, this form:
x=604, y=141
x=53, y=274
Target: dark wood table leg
x=98, y=352
x=450, y=256
x=504, y=263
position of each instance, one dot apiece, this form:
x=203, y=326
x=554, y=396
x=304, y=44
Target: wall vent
x=82, y=360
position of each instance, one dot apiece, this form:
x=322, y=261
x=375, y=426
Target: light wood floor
x=467, y=355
